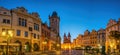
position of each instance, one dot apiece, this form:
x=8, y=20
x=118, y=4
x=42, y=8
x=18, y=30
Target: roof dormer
x=35, y=14
x=86, y=32
x=22, y=9
x=4, y=11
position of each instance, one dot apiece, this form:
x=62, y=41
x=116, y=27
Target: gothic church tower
x=54, y=22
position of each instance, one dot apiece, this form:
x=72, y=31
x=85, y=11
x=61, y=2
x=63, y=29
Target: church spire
x=54, y=13
x=69, y=34
x=65, y=38
x=69, y=38
x=64, y=35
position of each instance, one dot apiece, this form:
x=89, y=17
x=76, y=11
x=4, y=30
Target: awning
x=10, y=44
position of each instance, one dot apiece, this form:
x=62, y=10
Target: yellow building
x=28, y=33
x=93, y=39
x=26, y=28
x=74, y=43
x=79, y=41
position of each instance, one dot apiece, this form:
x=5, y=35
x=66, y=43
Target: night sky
x=75, y=15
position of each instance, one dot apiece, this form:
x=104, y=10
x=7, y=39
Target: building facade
x=29, y=33
x=50, y=34
x=45, y=36
x=93, y=39
x=26, y=27
x=111, y=43
x=78, y=42
x=101, y=39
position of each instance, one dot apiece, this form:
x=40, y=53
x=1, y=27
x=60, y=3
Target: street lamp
x=99, y=47
x=58, y=52
x=7, y=34
x=58, y=45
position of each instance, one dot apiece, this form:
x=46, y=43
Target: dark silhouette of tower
x=54, y=22
x=54, y=26
x=65, y=38
x=69, y=38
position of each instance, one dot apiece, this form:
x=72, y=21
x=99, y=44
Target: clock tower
x=54, y=22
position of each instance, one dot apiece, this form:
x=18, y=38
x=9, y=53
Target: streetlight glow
x=10, y=32
x=3, y=33
x=7, y=34
x=45, y=42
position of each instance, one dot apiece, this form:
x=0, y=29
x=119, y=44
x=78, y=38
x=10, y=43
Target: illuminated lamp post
x=44, y=43
x=58, y=52
x=112, y=44
x=7, y=34
x=58, y=45
x=100, y=48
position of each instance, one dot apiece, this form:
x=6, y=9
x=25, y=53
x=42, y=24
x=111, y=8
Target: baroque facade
x=111, y=43
x=29, y=33
x=94, y=39
x=26, y=27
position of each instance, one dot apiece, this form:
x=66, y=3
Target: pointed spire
x=54, y=13
x=69, y=34
x=64, y=34
x=65, y=38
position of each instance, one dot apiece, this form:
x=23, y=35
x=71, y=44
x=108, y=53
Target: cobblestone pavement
x=66, y=52
x=63, y=52
x=72, y=52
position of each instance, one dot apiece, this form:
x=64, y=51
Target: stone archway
x=27, y=47
x=36, y=47
x=20, y=45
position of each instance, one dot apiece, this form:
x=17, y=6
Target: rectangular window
x=6, y=21
x=30, y=28
x=34, y=35
x=19, y=21
x=18, y=32
x=36, y=27
x=26, y=34
x=22, y=22
x=25, y=22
